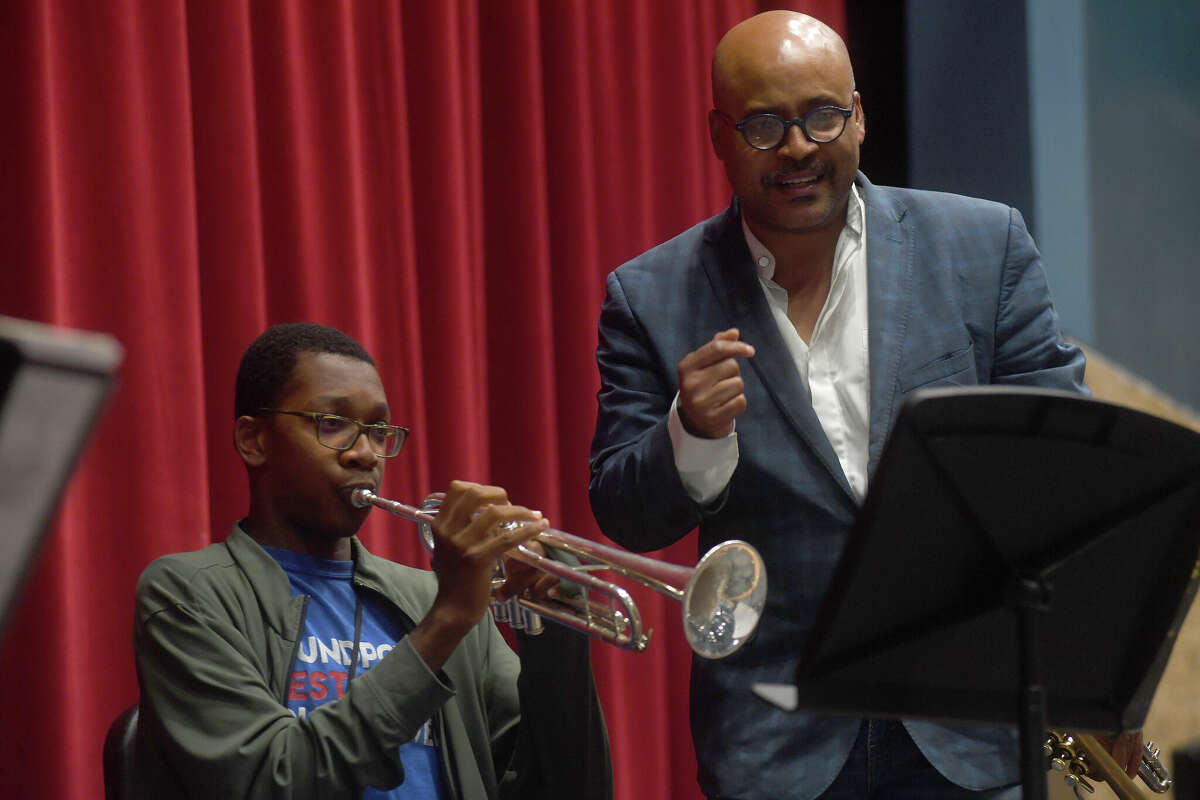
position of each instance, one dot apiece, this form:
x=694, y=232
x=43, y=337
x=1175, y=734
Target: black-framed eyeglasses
x=821, y=125
x=340, y=433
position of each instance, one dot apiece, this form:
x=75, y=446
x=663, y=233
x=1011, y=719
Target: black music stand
x=1022, y=556
x=53, y=383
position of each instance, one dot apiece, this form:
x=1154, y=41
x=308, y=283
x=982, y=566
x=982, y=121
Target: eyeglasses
x=821, y=125
x=340, y=433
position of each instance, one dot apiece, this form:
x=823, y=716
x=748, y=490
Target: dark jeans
x=885, y=764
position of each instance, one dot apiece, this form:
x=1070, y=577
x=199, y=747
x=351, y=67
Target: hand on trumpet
x=470, y=533
x=1125, y=748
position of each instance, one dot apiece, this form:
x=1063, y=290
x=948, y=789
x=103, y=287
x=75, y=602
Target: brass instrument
x=1080, y=756
x=722, y=596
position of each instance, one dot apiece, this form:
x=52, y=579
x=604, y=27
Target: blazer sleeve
x=1030, y=349
x=636, y=493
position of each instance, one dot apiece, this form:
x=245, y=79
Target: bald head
x=759, y=48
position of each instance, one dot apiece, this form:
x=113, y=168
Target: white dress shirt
x=834, y=366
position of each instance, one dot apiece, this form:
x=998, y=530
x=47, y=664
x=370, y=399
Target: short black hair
x=268, y=362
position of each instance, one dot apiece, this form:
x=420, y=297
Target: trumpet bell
x=724, y=599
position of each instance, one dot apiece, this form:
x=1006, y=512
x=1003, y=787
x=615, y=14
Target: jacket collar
x=396, y=582
x=890, y=257
x=273, y=589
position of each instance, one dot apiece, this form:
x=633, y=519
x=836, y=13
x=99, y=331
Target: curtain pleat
x=447, y=182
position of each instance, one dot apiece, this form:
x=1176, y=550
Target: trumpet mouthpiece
x=361, y=497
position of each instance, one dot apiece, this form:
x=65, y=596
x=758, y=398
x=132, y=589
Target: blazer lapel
x=889, y=304
x=735, y=281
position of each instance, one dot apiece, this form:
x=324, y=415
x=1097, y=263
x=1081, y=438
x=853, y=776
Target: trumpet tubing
x=1080, y=756
x=722, y=597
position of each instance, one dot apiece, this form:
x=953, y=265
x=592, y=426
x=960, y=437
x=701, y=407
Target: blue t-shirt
x=326, y=651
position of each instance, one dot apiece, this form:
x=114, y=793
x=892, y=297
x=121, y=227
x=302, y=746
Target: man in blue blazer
x=751, y=369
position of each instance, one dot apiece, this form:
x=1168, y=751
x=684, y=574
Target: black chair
x=118, y=756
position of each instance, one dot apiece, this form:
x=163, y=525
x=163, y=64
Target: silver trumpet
x=722, y=596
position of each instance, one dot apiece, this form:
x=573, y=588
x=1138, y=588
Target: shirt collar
x=764, y=262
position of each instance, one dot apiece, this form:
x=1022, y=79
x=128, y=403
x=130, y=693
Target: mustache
x=808, y=166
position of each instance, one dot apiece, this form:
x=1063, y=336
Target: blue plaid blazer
x=957, y=296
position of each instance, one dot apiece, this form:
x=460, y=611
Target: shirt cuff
x=705, y=465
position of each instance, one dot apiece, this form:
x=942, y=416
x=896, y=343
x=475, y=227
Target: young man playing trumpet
x=287, y=661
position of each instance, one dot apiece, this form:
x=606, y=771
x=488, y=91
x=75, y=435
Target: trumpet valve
x=530, y=622
x=500, y=611
x=516, y=615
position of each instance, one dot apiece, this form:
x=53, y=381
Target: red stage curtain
x=448, y=182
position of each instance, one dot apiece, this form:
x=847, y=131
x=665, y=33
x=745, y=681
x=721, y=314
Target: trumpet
x=1080, y=756
x=722, y=597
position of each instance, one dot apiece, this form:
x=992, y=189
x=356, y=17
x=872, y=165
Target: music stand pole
x=1030, y=598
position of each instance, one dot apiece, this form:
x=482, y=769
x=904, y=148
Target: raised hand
x=710, y=385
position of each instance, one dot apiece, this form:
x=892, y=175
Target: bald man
x=751, y=369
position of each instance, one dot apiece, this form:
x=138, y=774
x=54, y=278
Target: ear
x=860, y=119
x=249, y=437
x=715, y=133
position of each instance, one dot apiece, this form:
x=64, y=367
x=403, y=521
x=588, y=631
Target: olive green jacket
x=215, y=637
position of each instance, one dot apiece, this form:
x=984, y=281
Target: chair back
x=118, y=756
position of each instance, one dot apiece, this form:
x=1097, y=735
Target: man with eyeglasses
x=288, y=661
x=751, y=369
